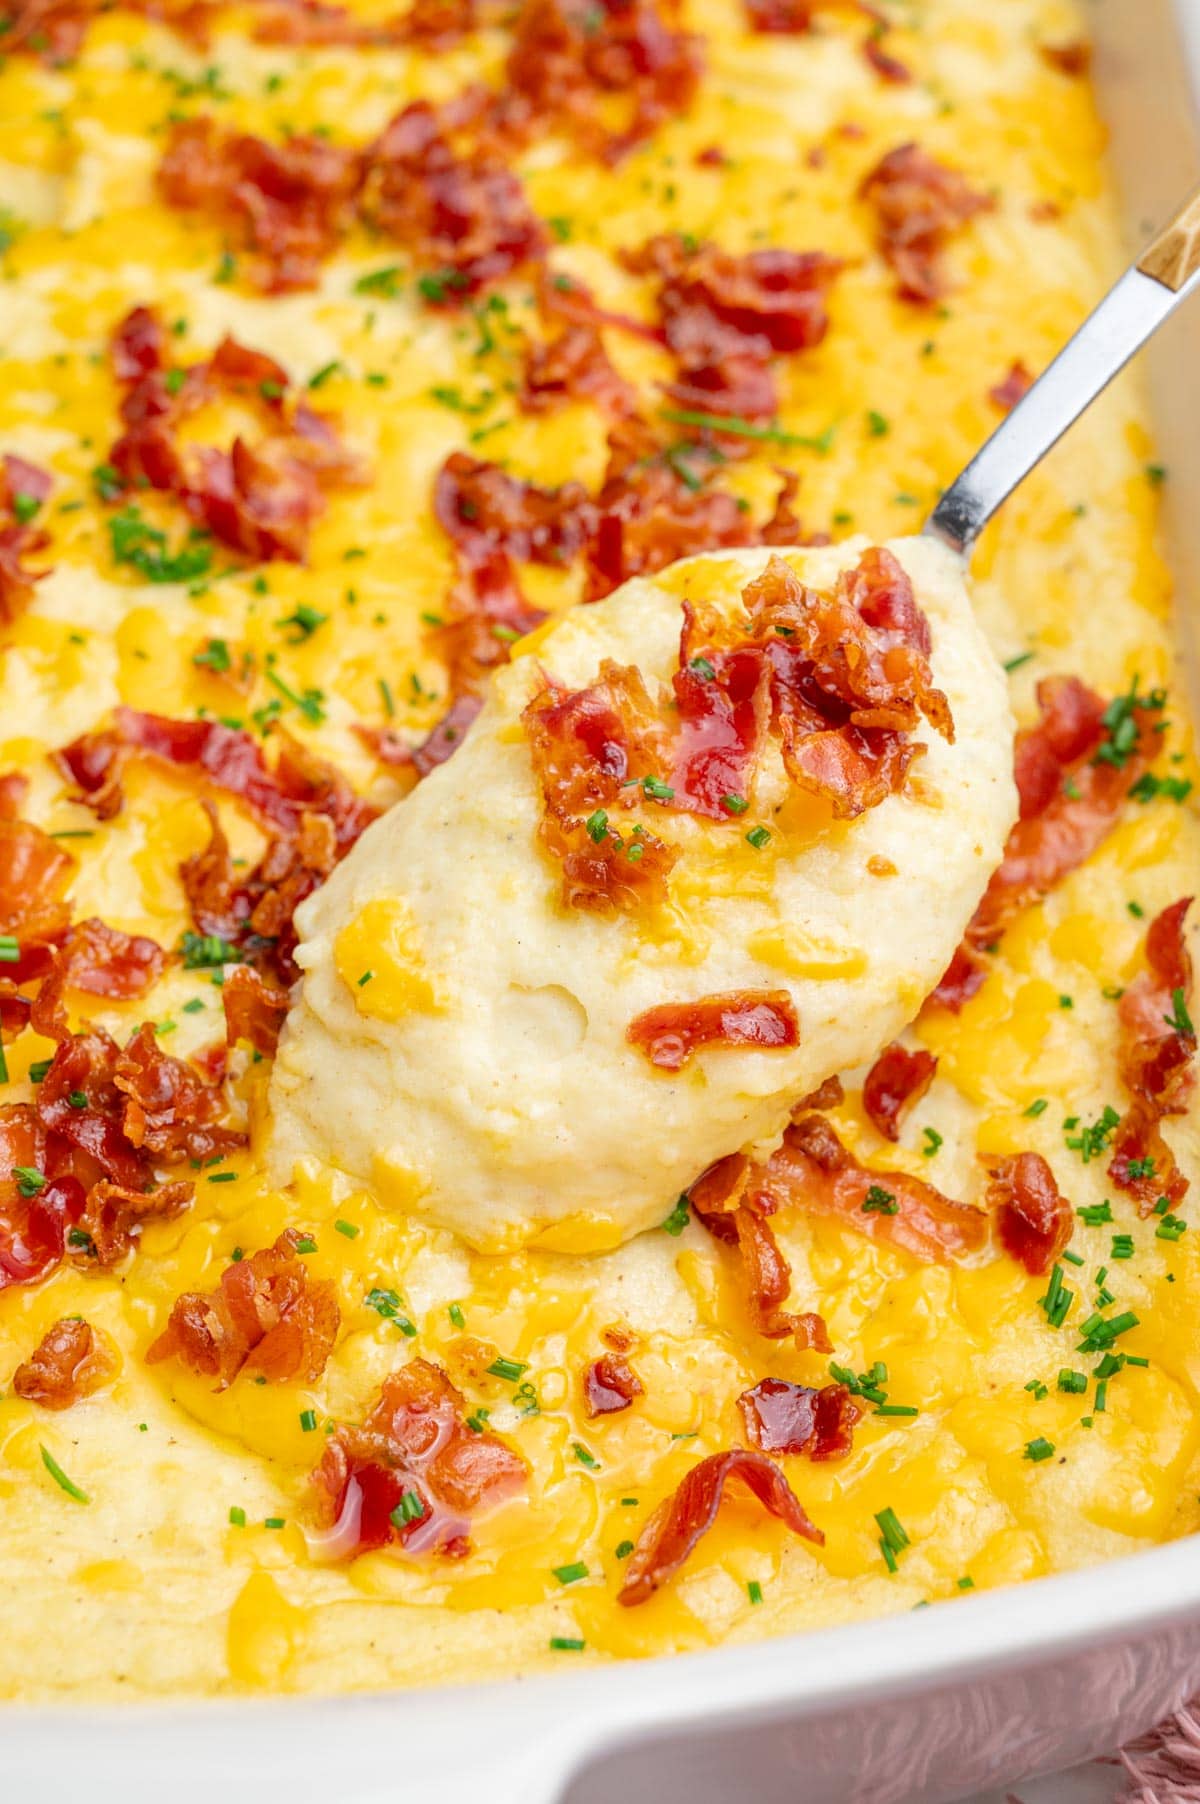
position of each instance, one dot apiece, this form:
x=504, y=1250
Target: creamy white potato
x=459, y=1038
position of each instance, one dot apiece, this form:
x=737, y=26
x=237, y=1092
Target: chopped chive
x=892, y=1530
x=567, y=1644
x=60, y=1478
x=1074, y=1383
x=308, y=1420
x=1022, y=657
x=933, y=1142
x=734, y=804
x=306, y=1245
x=348, y=1229
x=679, y=1218
x=1039, y=1449
x=1075, y=1258
x=456, y=1316
x=624, y=1549
x=410, y=1508
x=508, y=1369
x=754, y=1591
x=274, y=1521
x=222, y=1177
x=570, y=1575
x=758, y=837
x=966, y=1583
x=237, y=1516
x=585, y=1458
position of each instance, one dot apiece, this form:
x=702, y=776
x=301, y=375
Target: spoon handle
x=1129, y=314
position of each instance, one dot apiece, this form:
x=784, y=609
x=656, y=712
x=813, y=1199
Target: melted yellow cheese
x=150, y=1587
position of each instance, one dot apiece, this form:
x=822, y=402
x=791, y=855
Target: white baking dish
x=982, y=1691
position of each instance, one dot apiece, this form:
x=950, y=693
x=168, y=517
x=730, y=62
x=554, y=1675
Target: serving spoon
x=1130, y=313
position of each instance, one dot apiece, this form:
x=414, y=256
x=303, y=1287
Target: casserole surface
x=1083, y=590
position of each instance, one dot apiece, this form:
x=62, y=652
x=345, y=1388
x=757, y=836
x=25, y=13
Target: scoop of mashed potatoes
x=459, y=1040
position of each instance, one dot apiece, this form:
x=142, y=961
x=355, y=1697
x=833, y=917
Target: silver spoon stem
x=1127, y=316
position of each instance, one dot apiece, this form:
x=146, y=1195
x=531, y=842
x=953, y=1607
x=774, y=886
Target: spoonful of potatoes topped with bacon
x=710, y=841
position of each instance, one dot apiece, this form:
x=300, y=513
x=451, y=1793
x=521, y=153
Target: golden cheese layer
x=151, y=1586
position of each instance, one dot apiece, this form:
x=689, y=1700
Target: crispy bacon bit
x=414, y=1474
x=814, y=1172
x=919, y=202
x=34, y=876
x=1015, y=386
x=437, y=184
x=169, y=1110
x=432, y=24
x=254, y=1010
x=887, y=67
x=1157, y=1059
x=568, y=54
x=70, y=1362
x=1033, y=1218
x=842, y=717
x=1074, y=770
x=573, y=365
x=734, y=1209
x=585, y=748
x=106, y=962
x=267, y=1315
x=680, y=1522
x=24, y=490
x=1074, y=58
x=13, y=790
x=261, y=498
x=670, y=1034
x=781, y=1417
x=227, y=757
x=724, y=316
x=844, y=720
x=829, y=1095
x=655, y=505
x=104, y=1121
x=896, y=1080
x=288, y=205
x=610, y=1384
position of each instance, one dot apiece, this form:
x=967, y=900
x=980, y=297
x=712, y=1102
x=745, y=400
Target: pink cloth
x=1163, y=1767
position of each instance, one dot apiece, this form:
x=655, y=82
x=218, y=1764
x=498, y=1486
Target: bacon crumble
x=1157, y=1058
x=288, y=204
x=682, y=1520
x=260, y=497
x=72, y=1360
x=24, y=491
x=782, y=1417
x=568, y=55
x=671, y=1033
x=728, y=1201
x=919, y=203
x=814, y=1172
x=898, y=1079
x=1033, y=1218
x=1074, y=769
x=414, y=1474
x=610, y=1384
x=267, y=1315
x=1015, y=386
x=724, y=317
